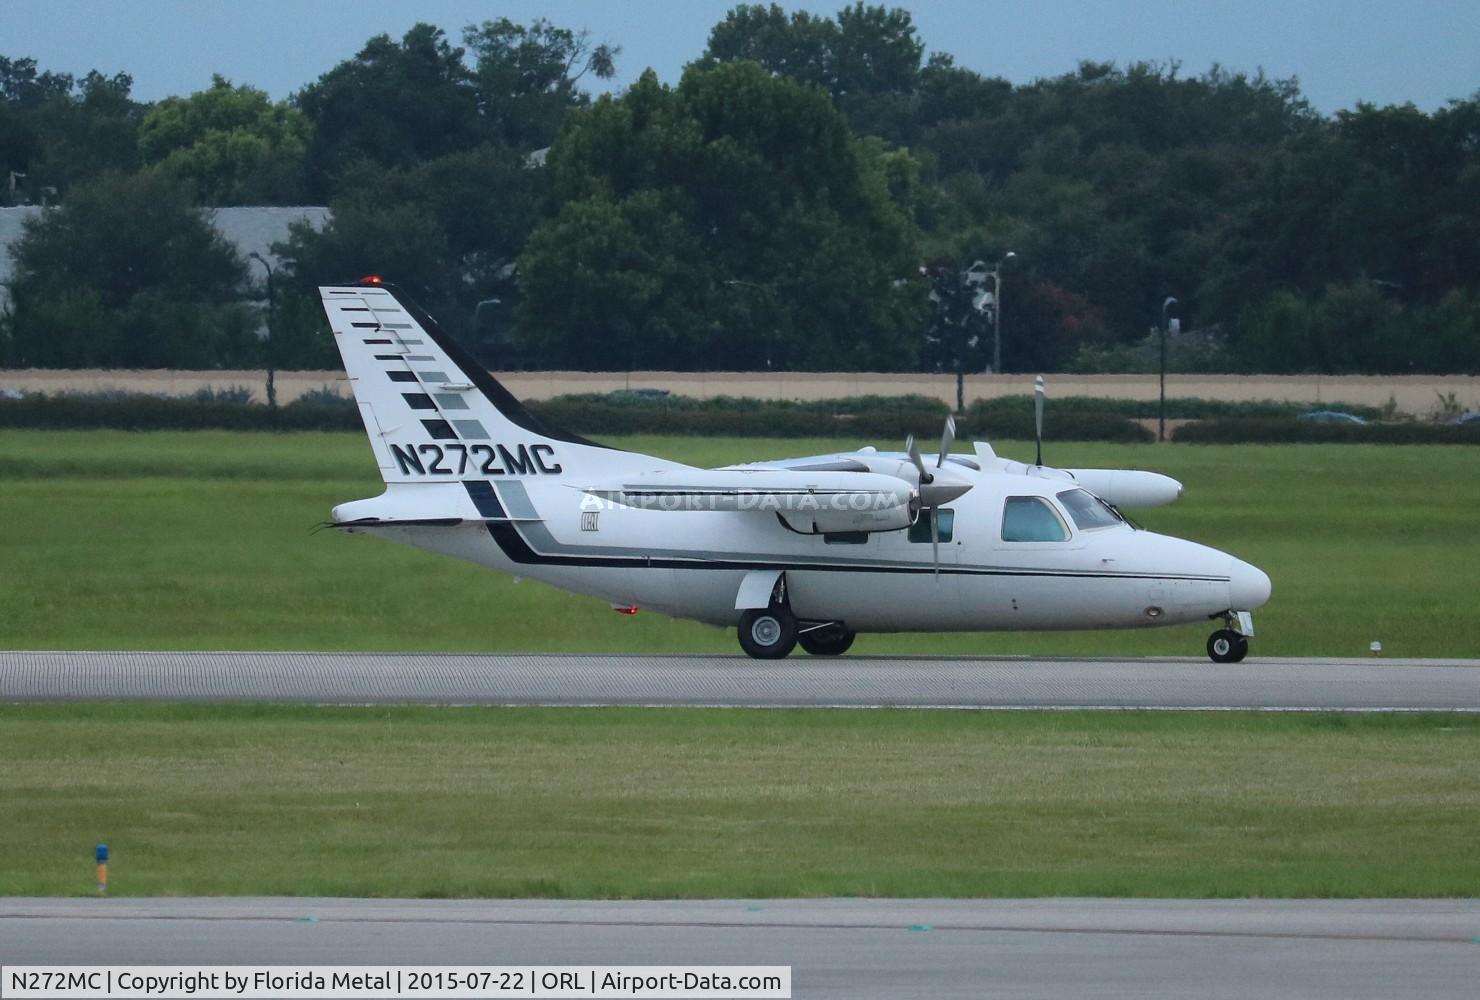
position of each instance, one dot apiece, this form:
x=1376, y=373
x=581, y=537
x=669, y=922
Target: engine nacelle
x=828, y=522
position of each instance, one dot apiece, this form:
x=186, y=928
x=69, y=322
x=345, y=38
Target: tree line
x=812, y=193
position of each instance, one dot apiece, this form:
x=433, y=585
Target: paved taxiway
x=851, y=681
x=837, y=948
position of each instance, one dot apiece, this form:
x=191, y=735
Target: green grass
x=719, y=803
x=202, y=540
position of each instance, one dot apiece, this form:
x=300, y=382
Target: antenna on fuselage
x=1038, y=395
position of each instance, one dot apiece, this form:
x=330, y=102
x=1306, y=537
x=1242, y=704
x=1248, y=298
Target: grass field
x=722, y=803
x=203, y=541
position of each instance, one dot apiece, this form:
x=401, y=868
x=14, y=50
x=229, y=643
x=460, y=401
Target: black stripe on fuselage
x=514, y=545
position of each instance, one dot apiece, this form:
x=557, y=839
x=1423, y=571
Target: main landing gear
x=772, y=632
x=769, y=633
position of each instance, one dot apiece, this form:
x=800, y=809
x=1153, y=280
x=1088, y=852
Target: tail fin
x=432, y=413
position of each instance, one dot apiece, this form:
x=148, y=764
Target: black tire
x=1227, y=646
x=768, y=634
x=827, y=641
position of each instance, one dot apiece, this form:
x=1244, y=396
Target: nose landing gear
x=1230, y=644
x=1227, y=646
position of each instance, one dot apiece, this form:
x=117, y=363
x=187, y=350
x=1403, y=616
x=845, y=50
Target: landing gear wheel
x=1227, y=646
x=768, y=634
x=827, y=641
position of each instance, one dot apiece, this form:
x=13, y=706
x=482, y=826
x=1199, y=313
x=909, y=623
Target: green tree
x=395, y=104
x=57, y=130
x=128, y=274
x=613, y=286
x=766, y=229
x=867, y=58
x=231, y=144
x=448, y=230
x=24, y=92
x=1348, y=328
x=528, y=77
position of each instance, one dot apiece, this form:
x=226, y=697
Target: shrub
x=143, y=412
x=238, y=394
x=993, y=419
x=1178, y=407
x=1273, y=430
x=887, y=419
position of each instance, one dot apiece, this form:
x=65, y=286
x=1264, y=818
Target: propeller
x=936, y=488
x=1038, y=394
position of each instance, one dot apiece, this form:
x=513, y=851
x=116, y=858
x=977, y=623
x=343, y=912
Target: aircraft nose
x=1248, y=586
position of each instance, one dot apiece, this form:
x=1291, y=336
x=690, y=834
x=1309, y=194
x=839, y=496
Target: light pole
x=997, y=313
x=739, y=283
x=271, y=388
x=1161, y=412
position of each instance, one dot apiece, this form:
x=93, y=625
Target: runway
x=836, y=947
x=1270, y=684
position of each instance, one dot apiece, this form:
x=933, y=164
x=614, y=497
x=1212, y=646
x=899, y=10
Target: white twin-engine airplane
x=808, y=550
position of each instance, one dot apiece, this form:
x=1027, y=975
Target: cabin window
x=945, y=521
x=1087, y=510
x=1031, y=519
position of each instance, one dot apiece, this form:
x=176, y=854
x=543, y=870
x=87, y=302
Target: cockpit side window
x=1088, y=510
x=1031, y=519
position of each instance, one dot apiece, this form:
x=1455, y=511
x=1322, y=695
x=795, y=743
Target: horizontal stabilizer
x=429, y=505
x=426, y=522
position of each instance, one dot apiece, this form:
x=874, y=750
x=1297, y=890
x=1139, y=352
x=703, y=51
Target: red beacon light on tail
x=371, y=279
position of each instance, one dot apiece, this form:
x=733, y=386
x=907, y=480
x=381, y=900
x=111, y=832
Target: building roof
x=255, y=228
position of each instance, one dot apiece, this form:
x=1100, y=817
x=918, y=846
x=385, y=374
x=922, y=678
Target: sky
x=1343, y=51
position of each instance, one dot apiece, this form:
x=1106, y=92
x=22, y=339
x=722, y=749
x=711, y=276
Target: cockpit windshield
x=1088, y=510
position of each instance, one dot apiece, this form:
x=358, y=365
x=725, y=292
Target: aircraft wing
x=838, y=462
x=756, y=488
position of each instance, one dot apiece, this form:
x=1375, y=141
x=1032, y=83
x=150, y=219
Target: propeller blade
x=945, y=441
x=914, y=450
x=934, y=542
x=1038, y=394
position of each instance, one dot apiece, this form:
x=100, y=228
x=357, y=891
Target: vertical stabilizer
x=431, y=412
